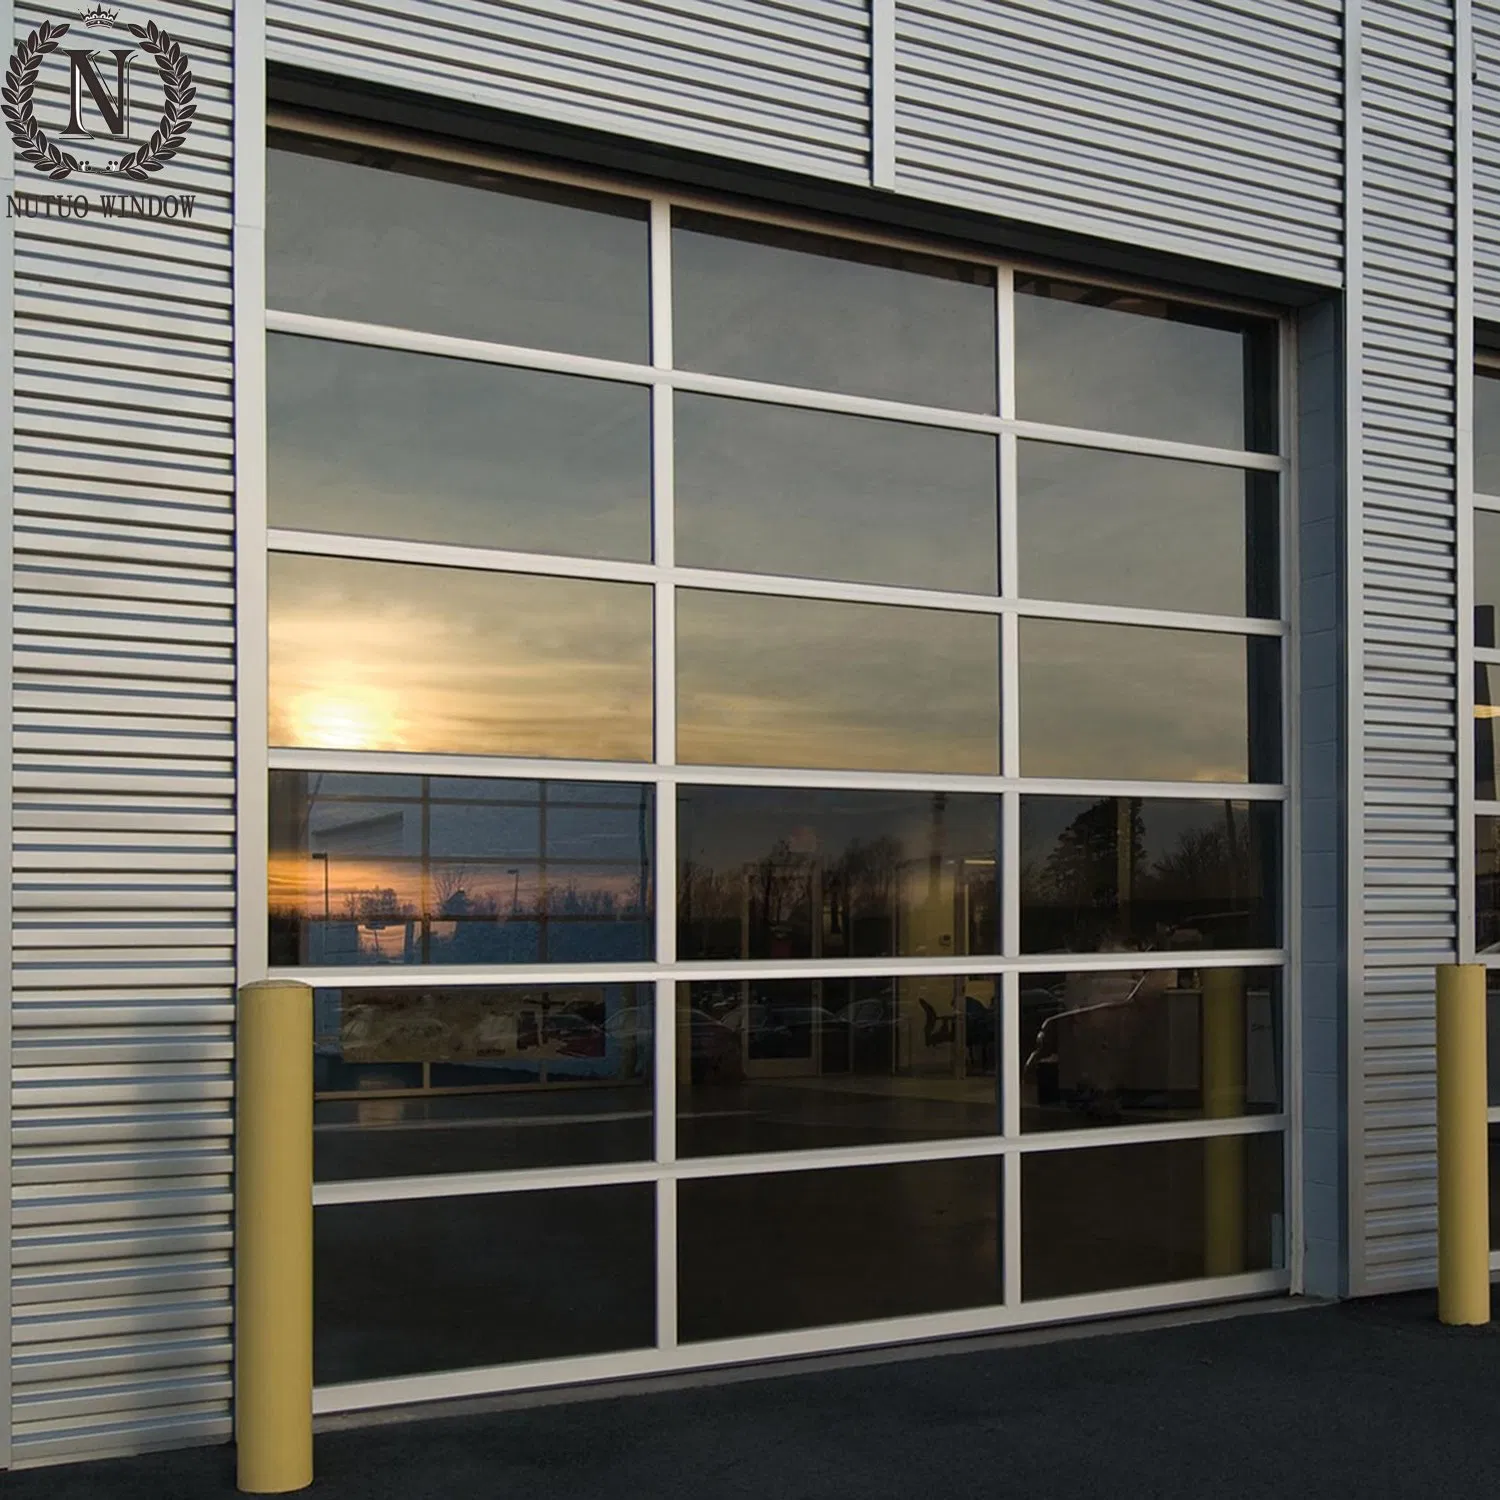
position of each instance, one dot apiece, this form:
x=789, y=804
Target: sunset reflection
x=386, y=656
x=450, y=870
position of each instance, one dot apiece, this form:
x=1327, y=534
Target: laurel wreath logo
x=49, y=159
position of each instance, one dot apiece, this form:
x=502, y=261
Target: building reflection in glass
x=1103, y=874
x=476, y=1078
x=802, y=1064
x=368, y=869
x=1120, y=1047
x=779, y=872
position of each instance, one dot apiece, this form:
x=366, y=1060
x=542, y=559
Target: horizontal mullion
x=401, y=762
x=414, y=341
x=539, y=1374
x=906, y=1153
x=443, y=554
x=430, y=976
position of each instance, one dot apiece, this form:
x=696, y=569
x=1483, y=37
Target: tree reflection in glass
x=1112, y=873
x=446, y=870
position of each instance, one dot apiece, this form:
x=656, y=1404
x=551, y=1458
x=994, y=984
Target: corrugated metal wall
x=779, y=82
x=1405, y=838
x=1214, y=127
x=1487, y=158
x=124, y=841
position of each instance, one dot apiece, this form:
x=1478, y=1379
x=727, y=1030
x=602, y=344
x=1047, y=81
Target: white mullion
x=1010, y=1228
x=458, y=976
x=614, y=570
x=1010, y=874
x=448, y=1385
x=480, y=351
x=666, y=1263
x=1011, y=1054
x=661, y=283
x=1486, y=502
x=755, y=1164
x=500, y=767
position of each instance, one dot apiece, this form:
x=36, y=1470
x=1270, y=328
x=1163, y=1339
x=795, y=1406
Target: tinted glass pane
x=447, y=250
x=806, y=682
x=836, y=315
x=377, y=442
x=450, y=1283
x=458, y=872
x=1114, y=361
x=1118, y=1216
x=388, y=656
x=1492, y=1032
x=1487, y=884
x=1494, y=1163
x=1101, y=874
x=773, y=872
x=1487, y=432
x=1132, y=703
x=803, y=1249
x=1154, y=533
x=1118, y=1047
x=776, y=489
x=410, y=1082
x=1486, y=714
x=1486, y=576
x=792, y=1064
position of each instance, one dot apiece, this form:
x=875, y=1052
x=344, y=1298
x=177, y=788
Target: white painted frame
x=665, y=1170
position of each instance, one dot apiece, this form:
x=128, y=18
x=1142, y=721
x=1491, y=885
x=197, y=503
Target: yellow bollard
x=1463, y=1147
x=273, y=1231
x=1223, y=1099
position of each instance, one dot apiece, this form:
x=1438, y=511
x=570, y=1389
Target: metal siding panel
x=784, y=83
x=122, y=797
x=1487, y=158
x=1407, y=700
x=1213, y=129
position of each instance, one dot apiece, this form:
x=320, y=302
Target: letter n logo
x=114, y=111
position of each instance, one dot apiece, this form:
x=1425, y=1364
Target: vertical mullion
x=664, y=679
x=1010, y=1228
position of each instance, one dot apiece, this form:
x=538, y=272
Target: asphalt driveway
x=1366, y=1399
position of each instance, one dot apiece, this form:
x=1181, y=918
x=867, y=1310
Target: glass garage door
x=776, y=777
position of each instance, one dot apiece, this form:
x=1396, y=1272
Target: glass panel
x=768, y=681
x=829, y=314
x=410, y=1082
x=1119, y=1047
x=780, y=872
x=804, y=1249
x=450, y=250
x=1151, y=533
x=388, y=656
x=1088, y=356
x=1486, y=575
x=1106, y=1217
x=1492, y=1033
x=1142, y=704
x=1116, y=874
x=378, y=442
x=451, y=1283
x=802, y=1064
x=1487, y=431
x=1494, y=1163
x=812, y=494
x=1486, y=712
x=435, y=870
x=1487, y=884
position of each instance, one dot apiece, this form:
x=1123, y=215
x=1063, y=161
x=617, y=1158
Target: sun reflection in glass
x=346, y=718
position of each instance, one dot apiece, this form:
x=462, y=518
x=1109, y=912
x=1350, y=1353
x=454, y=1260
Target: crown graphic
x=99, y=16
